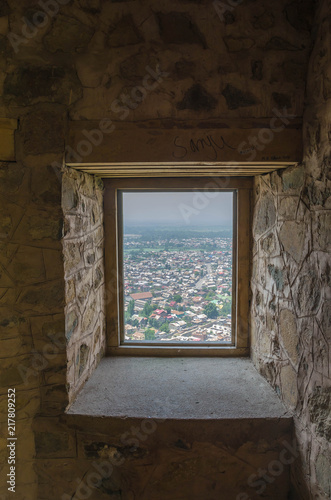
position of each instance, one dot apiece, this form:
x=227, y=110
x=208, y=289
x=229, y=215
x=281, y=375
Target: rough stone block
x=236, y=98
x=124, y=33
x=52, y=444
x=70, y=290
x=197, y=99
x=20, y=372
x=265, y=214
x=270, y=245
x=40, y=225
x=54, y=265
x=322, y=468
x=72, y=321
x=11, y=178
x=43, y=298
x=46, y=186
x=73, y=258
x=287, y=207
x=289, y=383
x=293, y=236
x=43, y=131
x=7, y=139
x=84, y=351
x=276, y=279
x=289, y=333
x=307, y=289
x=237, y=44
x=28, y=266
x=10, y=215
x=322, y=231
x=31, y=83
x=325, y=319
x=12, y=347
x=67, y=34
x=177, y=27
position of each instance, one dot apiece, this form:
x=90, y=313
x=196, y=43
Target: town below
x=178, y=285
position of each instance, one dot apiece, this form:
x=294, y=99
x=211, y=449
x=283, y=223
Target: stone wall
x=148, y=459
x=291, y=281
x=83, y=247
x=73, y=64
x=89, y=57
x=33, y=353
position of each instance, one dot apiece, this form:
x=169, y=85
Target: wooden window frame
x=241, y=264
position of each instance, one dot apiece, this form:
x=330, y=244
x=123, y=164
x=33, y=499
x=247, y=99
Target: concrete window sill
x=177, y=389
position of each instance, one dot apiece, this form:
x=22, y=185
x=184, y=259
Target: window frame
x=241, y=257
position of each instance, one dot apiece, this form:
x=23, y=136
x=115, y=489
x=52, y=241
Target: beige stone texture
x=216, y=71
x=85, y=332
x=289, y=382
x=303, y=230
x=289, y=333
x=7, y=136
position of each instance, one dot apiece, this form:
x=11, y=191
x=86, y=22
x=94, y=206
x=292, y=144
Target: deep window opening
x=177, y=252
x=177, y=256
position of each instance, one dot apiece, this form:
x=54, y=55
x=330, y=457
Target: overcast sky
x=188, y=208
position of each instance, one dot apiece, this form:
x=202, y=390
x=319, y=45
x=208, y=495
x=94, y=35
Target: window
x=177, y=258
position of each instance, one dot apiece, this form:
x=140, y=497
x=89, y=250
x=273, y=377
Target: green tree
x=153, y=322
x=148, y=308
x=211, y=310
x=210, y=295
x=177, y=297
x=149, y=334
x=165, y=327
x=226, y=309
x=130, y=309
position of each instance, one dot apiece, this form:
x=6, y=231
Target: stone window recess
x=88, y=300
x=113, y=265
x=83, y=243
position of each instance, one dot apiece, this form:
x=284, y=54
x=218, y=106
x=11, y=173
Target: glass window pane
x=177, y=267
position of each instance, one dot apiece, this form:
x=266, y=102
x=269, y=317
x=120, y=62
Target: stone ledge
x=177, y=389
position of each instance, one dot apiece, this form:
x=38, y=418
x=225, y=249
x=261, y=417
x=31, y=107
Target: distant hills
x=156, y=232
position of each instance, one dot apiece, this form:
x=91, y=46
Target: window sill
x=177, y=389
x=179, y=350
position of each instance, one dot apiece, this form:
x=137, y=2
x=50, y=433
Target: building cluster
x=178, y=290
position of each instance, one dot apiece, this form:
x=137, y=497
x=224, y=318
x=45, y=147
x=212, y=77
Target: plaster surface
x=178, y=388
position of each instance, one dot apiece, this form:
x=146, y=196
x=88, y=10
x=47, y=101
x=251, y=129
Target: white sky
x=190, y=208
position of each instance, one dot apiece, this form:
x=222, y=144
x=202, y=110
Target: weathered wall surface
x=148, y=459
x=33, y=355
x=291, y=282
x=90, y=57
x=80, y=61
x=83, y=248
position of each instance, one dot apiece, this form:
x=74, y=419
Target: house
x=141, y=296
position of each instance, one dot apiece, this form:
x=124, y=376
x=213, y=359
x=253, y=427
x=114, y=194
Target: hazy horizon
x=181, y=209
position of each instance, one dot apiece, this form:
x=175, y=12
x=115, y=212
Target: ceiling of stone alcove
x=240, y=62
x=161, y=66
